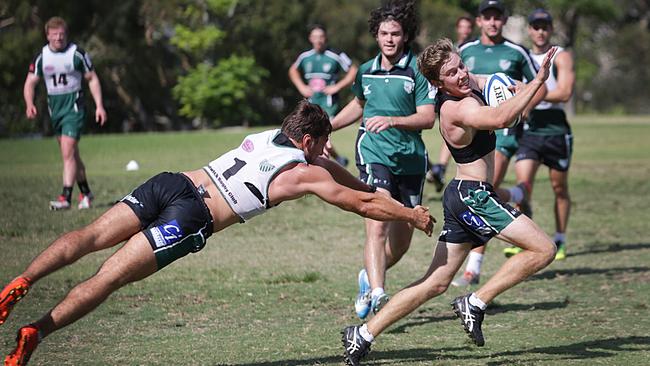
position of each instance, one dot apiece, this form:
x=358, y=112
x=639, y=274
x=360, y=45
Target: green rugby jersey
x=396, y=92
x=319, y=70
x=63, y=73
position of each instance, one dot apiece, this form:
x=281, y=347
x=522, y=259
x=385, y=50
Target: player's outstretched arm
x=468, y=112
x=342, y=176
x=312, y=179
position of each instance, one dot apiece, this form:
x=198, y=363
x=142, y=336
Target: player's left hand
x=100, y=116
x=377, y=124
x=424, y=221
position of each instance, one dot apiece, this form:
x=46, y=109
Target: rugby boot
x=362, y=303
x=11, y=294
x=471, y=317
x=561, y=251
x=355, y=347
x=85, y=201
x=378, y=302
x=510, y=251
x=466, y=279
x=60, y=203
x=27, y=340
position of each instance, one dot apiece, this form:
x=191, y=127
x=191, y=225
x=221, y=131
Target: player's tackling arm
x=312, y=179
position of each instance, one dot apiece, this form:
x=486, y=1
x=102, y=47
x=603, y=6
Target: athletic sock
x=376, y=292
x=474, y=300
x=474, y=262
x=559, y=237
x=67, y=193
x=84, y=188
x=516, y=194
x=365, y=333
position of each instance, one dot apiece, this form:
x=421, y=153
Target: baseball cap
x=540, y=15
x=494, y=4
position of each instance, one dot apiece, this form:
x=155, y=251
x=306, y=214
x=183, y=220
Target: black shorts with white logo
x=173, y=216
x=406, y=189
x=554, y=151
x=473, y=213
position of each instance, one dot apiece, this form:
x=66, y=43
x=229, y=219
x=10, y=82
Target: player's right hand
x=31, y=111
x=423, y=220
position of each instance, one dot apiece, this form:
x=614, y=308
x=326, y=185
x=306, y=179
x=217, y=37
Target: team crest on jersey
x=409, y=86
x=366, y=89
x=470, y=63
x=266, y=166
x=247, y=145
x=504, y=64
x=48, y=69
x=327, y=67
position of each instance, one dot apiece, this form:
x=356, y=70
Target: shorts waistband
x=464, y=183
x=199, y=196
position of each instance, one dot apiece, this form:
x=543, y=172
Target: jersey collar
x=403, y=62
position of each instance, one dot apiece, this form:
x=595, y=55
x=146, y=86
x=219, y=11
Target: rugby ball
x=496, y=91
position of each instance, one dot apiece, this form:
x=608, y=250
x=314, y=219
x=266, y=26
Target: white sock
x=474, y=262
x=474, y=300
x=516, y=194
x=376, y=292
x=365, y=333
x=559, y=237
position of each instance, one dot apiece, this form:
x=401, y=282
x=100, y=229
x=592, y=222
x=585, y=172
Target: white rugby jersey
x=62, y=71
x=551, y=82
x=243, y=175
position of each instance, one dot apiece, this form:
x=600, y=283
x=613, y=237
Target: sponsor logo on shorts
x=247, y=145
x=167, y=234
x=379, y=182
x=132, y=199
x=475, y=222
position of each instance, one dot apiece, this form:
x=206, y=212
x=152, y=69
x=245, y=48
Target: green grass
x=277, y=290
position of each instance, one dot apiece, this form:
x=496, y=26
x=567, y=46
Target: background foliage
x=179, y=64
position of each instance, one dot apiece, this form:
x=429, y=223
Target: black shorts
x=405, y=188
x=173, y=216
x=554, y=151
x=473, y=213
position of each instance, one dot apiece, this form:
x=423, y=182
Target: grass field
x=277, y=290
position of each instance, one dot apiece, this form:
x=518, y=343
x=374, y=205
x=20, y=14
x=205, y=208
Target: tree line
x=186, y=64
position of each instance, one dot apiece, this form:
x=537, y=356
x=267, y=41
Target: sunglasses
x=538, y=26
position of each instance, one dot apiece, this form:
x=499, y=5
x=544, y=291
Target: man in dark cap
x=547, y=138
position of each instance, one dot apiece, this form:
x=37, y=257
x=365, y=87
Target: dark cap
x=494, y=4
x=540, y=15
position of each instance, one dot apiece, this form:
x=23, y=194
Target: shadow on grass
x=494, y=308
x=611, y=248
x=596, y=349
x=547, y=275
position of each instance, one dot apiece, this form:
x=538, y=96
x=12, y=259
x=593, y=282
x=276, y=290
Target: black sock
x=67, y=193
x=84, y=188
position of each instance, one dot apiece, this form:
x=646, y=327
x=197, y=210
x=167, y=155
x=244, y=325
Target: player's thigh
x=526, y=169
x=117, y=224
x=447, y=259
x=526, y=234
x=132, y=262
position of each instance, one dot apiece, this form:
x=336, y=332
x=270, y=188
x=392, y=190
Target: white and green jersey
x=548, y=118
x=396, y=92
x=243, y=175
x=320, y=69
x=63, y=73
